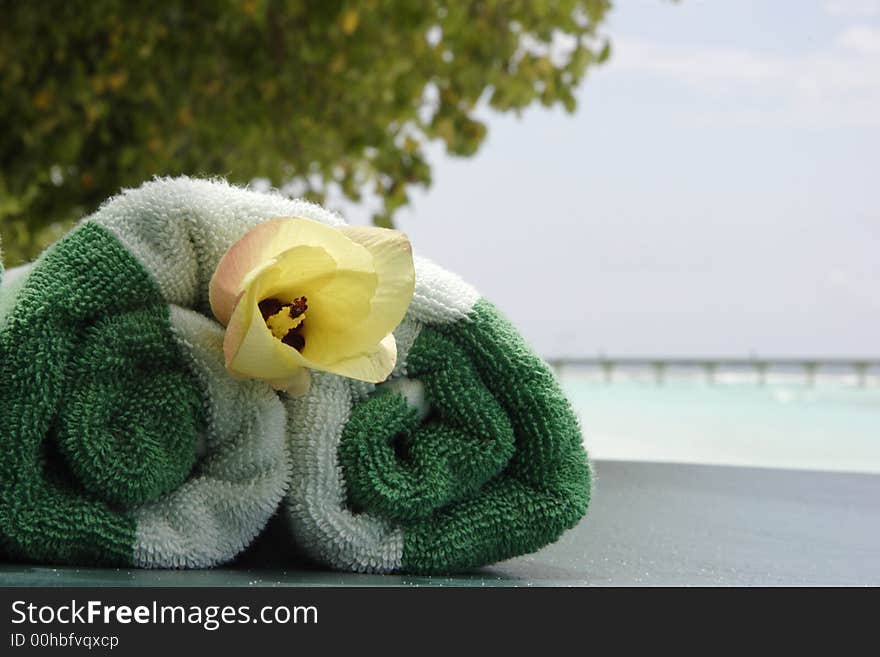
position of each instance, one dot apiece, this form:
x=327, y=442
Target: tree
x=334, y=95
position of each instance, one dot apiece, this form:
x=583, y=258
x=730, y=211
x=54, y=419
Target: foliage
x=333, y=95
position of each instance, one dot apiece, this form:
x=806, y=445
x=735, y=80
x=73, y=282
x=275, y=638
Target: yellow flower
x=297, y=295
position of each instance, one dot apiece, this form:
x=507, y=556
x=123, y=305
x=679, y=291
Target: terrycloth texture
x=468, y=455
x=123, y=441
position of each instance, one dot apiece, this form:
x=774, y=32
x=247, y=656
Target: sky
x=716, y=193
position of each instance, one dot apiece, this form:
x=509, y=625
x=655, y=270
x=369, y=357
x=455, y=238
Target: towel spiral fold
x=470, y=455
x=125, y=441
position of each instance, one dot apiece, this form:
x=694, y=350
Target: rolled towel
x=468, y=455
x=123, y=439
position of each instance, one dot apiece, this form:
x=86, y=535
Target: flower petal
x=298, y=271
x=374, y=366
x=341, y=304
x=266, y=241
x=249, y=346
x=395, y=281
x=297, y=385
x=241, y=259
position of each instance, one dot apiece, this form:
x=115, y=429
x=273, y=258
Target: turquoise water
x=832, y=426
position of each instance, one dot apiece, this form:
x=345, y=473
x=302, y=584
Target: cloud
x=837, y=84
x=694, y=65
x=861, y=39
x=852, y=8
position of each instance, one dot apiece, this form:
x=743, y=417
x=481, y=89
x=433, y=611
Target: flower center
x=285, y=320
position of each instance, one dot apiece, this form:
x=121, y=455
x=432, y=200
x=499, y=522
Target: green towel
x=468, y=455
x=124, y=441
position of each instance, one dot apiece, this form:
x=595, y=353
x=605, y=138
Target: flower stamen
x=285, y=320
x=269, y=307
x=298, y=307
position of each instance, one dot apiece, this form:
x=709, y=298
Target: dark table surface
x=649, y=524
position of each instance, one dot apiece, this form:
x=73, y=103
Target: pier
x=861, y=368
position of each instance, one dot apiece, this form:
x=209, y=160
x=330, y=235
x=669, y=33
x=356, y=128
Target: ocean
x=831, y=425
